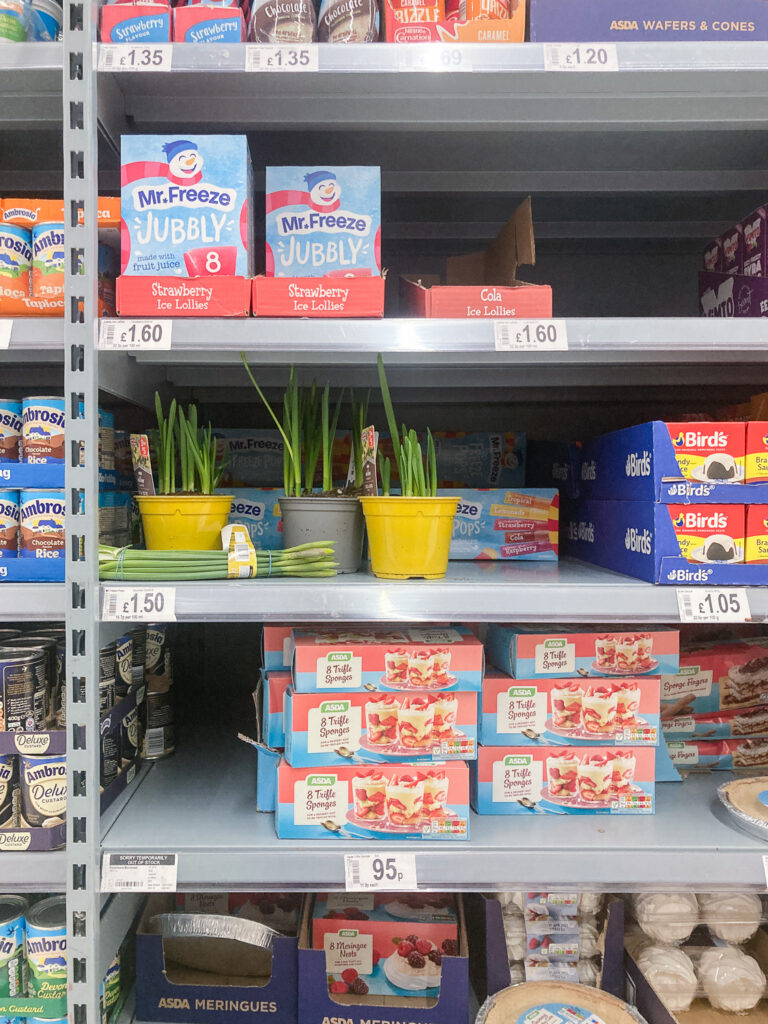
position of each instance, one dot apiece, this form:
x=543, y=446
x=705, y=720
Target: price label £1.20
x=139, y=604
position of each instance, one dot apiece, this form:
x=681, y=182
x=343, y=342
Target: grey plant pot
x=326, y=518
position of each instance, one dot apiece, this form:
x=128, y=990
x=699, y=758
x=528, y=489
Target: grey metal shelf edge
x=20, y=602
x=238, y=848
x=32, y=336
x=567, y=591
x=23, y=871
x=30, y=84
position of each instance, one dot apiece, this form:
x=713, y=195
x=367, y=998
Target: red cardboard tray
x=183, y=296
x=318, y=296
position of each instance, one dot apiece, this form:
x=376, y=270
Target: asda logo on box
x=637, y=464
x=330, y=707
x=322, y=780
x=339, y=656
x=518, y=760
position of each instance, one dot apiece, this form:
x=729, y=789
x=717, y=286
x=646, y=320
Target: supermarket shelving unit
x=677, y=122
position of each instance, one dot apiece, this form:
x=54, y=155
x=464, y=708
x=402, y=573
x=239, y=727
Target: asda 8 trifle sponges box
x=403, y=801
x=573, y=711
x=349, y=659
x=563, y=780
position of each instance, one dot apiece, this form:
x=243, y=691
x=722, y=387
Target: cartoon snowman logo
x=185, y=164
x=324, y=190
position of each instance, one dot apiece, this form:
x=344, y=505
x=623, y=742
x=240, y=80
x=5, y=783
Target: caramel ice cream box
x=565, y=780
x=717, y=677
x=404, y=801
x=752, y=721
x=388, y=944
x=720, y=755
x=536, y=652
x=574, y=711
x=403, y=660
x=423, y=725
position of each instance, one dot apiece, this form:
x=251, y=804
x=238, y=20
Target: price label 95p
x=385, y=871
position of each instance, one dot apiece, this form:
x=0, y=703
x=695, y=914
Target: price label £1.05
x=139, y=604
x=713, y=604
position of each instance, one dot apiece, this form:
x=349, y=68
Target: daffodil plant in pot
x=308, y=429
x=192, y=518
x=409, y=534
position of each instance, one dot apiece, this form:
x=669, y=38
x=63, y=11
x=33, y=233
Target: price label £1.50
x=139, y=604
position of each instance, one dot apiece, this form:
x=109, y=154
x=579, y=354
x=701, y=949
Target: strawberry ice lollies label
x=186, y=206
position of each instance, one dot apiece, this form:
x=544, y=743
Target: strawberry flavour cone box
x=569, y=711
x=404, y=801
x=564, y=780
x=350, y=659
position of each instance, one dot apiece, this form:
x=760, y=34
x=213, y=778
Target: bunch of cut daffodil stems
x=315, y=559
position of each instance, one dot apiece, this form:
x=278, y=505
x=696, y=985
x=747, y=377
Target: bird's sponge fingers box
x=186, y=206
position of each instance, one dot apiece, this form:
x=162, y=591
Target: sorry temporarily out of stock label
x=150, y=872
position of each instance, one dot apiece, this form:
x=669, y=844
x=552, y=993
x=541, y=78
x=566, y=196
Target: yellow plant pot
x=409, y=536
x=184, y=522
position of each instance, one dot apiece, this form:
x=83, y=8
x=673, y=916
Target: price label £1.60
x=139, y=604
x=150, y=335
x=530, y=336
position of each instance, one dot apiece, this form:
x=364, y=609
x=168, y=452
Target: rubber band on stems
x=120, y=561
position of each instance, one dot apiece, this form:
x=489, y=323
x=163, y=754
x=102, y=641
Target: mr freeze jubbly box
x=568, y=780
x=334, y=729
x=533, y=652
x=403, y=801
x=350, y=659
x=570, y=711
x=186, y=234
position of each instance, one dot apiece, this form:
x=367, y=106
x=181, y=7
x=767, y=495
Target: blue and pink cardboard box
x=626, y=20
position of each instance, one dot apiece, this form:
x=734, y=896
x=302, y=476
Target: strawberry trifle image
x=627, y=702
x=644, y=651
x=562, y=773
x=421, y=669
x=381, y=711
x=415, y=720
x=441, y=662
x=405, y=799
x=417, y=965
x=599, y=708
x=605, y=652
x=566, y=705
x=435, y=793
x=623, y=773
x=446, y=709
x=595, y=777
x=370, y=792
x=396, y=665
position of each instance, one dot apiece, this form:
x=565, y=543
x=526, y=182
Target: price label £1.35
x=139, y=604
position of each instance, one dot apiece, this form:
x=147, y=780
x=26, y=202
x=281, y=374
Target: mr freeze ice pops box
x=505, y=524
x=404, y=801
x=536, y=652
x=568, y=780
x=351, y=658
x=323, y=222
x=323, y=729
x=186, y=206
x=570, y=711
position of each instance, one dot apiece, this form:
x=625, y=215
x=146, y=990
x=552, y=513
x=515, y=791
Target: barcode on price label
x=432, y=57
x=145, y=872
x=713, y=604
x=530, y=336
x=154, y=742
x=266, y=57
x=385, y=871
x=152, y=335
x=6, y=326
x=123, y=57
x=131, y=604
x=581, y=57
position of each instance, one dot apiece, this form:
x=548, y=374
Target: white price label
x=765, y=869
x=145, y=872
x=152, y=335
x=581, y=57
x=268, y=57
x=124, y=57
x=387, y=871
x=6, y=326
x=139, y=604
x=432, y=57
x=713, y=604
x=530, y=336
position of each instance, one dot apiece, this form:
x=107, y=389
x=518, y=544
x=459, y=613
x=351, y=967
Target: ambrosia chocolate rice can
x=22, y=689
x=42, y=429
x=13, y=927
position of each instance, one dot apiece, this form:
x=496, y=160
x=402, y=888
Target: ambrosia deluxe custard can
x=43, y=789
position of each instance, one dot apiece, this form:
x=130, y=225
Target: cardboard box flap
x=513, y=247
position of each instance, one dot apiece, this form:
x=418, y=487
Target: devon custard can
x=10, y=427
x=47, y=953
x=13, y=925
